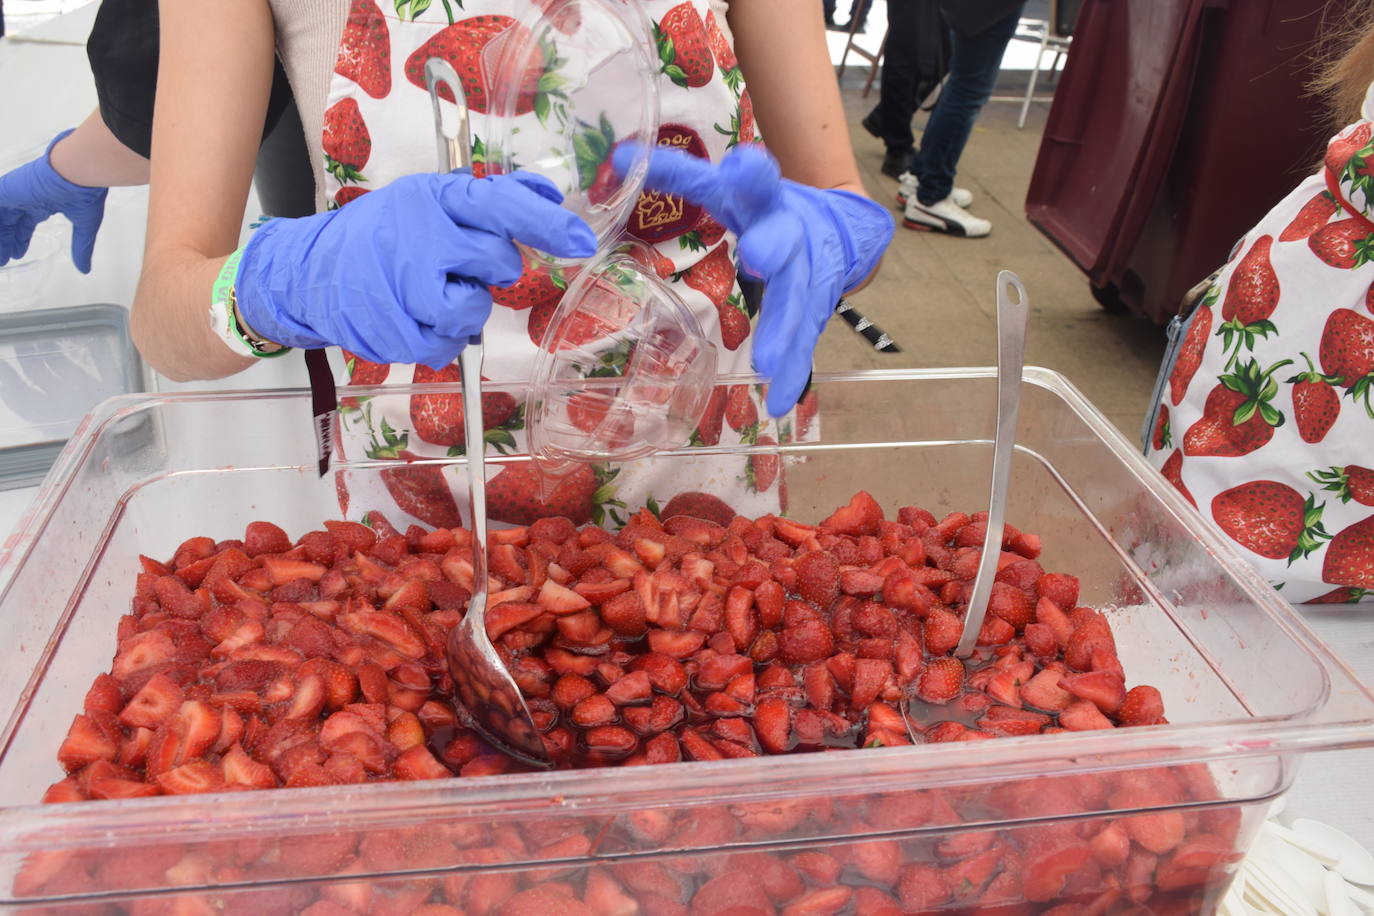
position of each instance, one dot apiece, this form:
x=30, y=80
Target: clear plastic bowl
x=22, y=281
x=569, y=82
x=624, y=369
x=1247, y=687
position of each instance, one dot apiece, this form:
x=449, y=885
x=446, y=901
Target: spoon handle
x=1013, y=310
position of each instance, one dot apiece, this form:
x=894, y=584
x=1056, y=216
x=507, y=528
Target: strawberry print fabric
x=378, y=126
x=1267, y=421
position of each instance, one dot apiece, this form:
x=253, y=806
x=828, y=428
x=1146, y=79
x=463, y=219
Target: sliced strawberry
x=1105, y=689
x=418, y=763
x=155, y=703
x=560, y=600
x=1083, y=716
x=191, y=778
x=861, y=516
x=86, y=742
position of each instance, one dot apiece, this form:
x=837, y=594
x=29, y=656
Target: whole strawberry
x=734, y=323
x=941, y=681
x=365, y=49
x=1253, y=291
x=713, y=275
x=438, y=418
x=592, y=149
x=741, y=129
x=683, y=48
x=708, y=430
x=515, y=495
x=1341, y=150
x=1238, y=416
x=703, y=235
x=419, y=490
x=362, y=372
x=1350, y=482
x=1271, y=519
x=1316, y=406
x=1341, y=596
x=1349, y=557
x=463, y=45
x=762, y=470
x=539, y=285
x=345, y=194
x=724, y=54
x=1345, y=244
x=1191, y=350
x=1173, y=472
x=1162, y=438
x=1314, y=214
x=1347, y=352
x=346, y=141
x=740, y=410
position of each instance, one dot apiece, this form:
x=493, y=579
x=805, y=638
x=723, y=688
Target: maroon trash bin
x=1176, y=126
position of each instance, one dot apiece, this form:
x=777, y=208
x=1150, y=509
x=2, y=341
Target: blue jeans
x=973, y=66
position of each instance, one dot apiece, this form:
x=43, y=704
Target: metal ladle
x=484, y=693
x=1013, y=312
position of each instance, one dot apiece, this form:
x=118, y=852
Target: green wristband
x=225, y=320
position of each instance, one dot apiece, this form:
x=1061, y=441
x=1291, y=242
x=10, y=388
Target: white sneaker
x=906, y=189
x=945, y=216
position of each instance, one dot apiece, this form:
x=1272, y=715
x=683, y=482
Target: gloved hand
x=400, y=274
x=809, y=246
x=32, y=193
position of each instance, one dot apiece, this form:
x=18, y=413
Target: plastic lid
x=624, y=369
x=568, y=83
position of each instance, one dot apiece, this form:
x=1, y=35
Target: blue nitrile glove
x=32, y=193
x=809, y=246
x=400, y=274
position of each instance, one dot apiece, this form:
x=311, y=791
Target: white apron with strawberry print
x=1266, y=422
x=378, y=126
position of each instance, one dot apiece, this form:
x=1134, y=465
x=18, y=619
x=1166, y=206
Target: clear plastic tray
x=1247, y=687
x=55, y=365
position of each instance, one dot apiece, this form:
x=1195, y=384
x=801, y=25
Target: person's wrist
x=255, y=281
x=865, y=230
x=61, y=183
x=228, y=322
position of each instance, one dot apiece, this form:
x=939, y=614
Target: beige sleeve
x=308, y=33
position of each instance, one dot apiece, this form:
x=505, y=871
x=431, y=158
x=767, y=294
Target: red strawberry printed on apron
x=378, y=127
x=1272, y=389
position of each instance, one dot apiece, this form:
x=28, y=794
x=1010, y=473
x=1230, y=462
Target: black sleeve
x=123, y=50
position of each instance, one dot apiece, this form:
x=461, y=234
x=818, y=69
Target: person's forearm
x=796, y=99
x=94, y=157
x=215, y=67
x=170, y=320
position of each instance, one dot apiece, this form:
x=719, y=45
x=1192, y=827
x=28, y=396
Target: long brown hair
x=1344, y=81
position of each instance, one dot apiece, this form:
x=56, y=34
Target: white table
x=48, y=88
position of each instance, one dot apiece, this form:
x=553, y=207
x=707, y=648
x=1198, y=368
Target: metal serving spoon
x=1013, y=311
x=484, y=693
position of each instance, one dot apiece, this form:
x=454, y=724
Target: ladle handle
x=455, y=146
x=1013, y=310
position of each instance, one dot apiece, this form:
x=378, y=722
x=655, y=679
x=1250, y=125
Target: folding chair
x=874, y=60
x=1054, y=34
